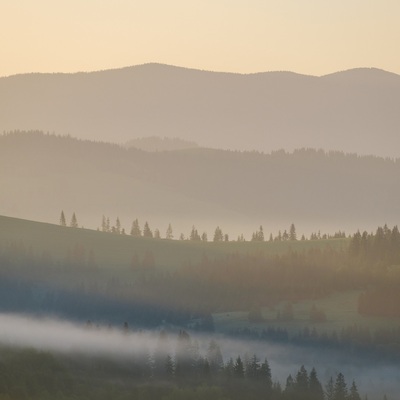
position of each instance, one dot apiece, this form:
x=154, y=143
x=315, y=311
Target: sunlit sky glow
x=306, y=36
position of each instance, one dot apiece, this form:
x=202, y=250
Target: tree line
x=30, y=374
x=194, y=235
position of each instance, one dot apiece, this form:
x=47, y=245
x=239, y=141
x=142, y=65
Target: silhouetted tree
x=340, y=389
x=194, y=235
x=117, y=226
x=353, y=395
x=62, y=219
x=74, y=221
x=238, y=368
x=330, y=390
x=147, y=233
x=315, y=388
x=169, y=235
x=218, y=236
x=136, y=231
x=292, y=233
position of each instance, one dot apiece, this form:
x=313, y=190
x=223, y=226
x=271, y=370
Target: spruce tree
x=62, y=219
x=315, y=388
x=169, y=235
x=214, y=356
x=118, y=226
x=354, y=392
x=238, y=368
x=147, y=231
x=135, y=230
x=74, y=221
x=218, y=236
x=340, y=388
x=330, y=390
x=292, y=233
x=301, y=383
x=265, y=375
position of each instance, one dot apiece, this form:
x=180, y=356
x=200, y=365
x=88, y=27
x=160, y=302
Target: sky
x=314, y=37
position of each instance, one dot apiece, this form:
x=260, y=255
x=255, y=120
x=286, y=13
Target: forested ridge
x=145, y=295
x=186, y=373
x=316, y=190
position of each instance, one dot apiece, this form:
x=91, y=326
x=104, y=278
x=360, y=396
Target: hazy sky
x=307, y=36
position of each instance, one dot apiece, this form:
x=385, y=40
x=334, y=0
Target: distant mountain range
x=40, y=175
x=354, y=111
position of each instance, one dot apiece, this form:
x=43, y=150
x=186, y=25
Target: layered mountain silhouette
x=40, y=175
x=352, y=111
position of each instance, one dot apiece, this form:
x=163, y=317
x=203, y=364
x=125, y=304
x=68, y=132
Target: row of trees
x=189, y=366
x=72, y=224
x=195, y=235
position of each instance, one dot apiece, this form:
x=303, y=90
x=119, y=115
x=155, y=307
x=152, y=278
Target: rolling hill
x=40, y=175
x=352, y=111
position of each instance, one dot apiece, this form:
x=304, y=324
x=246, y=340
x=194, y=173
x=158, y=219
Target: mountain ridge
x=353, y=111
x=42, y=174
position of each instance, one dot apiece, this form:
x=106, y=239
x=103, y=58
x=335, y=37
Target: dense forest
x=185, y=374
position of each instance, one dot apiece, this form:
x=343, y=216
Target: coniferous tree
x=169, y=367
x=302, y=384
x=62, y=219
x=340, y=389
x=353, y=395
x=229, y=369
x=108, y=228
x=147, y=233
x=214, y=357
x=74, y=221
x=253, y=368
x=315, y=388
x=169, y=235
x=289, y=391
x=204, y=237
x=265, y=375
x=285, y=235
x=117, y=226
x=330, y=390
x=218, y=236
x=292, y=233
x=194, y=235
x=136, y=231
x=258, y=236
x=238, y=368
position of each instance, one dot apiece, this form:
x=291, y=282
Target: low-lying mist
x=60, y=336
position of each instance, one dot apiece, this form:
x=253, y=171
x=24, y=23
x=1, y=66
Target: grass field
x=116, y=251
x=340, y=310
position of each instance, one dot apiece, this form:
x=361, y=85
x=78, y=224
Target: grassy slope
x=116, y=251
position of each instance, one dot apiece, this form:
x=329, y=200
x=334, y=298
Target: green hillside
x=116, y=251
